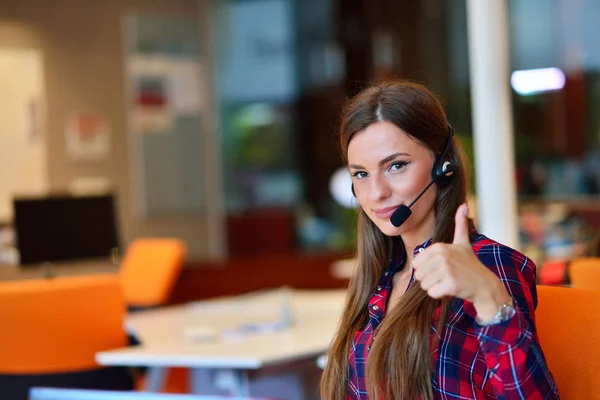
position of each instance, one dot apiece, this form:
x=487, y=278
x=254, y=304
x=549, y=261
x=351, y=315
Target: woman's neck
x=418, y=236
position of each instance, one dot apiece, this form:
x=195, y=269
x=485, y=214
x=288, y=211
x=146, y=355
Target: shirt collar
x=420, y=248
x=399, y=255
x=396, y=263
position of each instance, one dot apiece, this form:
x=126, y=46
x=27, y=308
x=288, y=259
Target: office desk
x=205, y=337
x=84, y=267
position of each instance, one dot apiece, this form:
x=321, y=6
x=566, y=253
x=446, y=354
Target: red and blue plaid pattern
x=502, y=361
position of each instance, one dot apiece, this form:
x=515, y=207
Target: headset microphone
x=403, y=212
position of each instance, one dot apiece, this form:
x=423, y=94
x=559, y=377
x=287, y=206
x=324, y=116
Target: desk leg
x=155, y=379
x=220, y=382
x=239, y=382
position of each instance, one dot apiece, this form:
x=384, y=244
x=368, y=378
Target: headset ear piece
x=444, y=169
x=448, y=168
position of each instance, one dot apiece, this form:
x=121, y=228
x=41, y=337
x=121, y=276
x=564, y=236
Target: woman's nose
x=379, y=189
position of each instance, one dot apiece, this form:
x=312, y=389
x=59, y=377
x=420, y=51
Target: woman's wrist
x=488, y=301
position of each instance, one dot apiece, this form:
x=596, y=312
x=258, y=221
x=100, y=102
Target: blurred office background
x=214, y=122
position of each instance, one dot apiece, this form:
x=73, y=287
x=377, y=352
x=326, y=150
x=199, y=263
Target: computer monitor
x=65, y=228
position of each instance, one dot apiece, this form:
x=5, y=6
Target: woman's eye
x=359, y=174
x=397, y=166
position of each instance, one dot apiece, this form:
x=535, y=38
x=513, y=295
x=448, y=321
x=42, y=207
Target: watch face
x=507, y=312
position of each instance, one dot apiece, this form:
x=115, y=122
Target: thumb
x=461, y=226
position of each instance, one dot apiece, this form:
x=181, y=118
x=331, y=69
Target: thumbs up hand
x=453, y=270
x=461, y=227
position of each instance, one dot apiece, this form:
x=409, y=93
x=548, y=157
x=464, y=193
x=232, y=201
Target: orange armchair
x=584, y=273
x=568, y=322
x=150, y=269
x=52, y=330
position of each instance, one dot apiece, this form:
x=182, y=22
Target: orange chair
x=568, y=322
x=584, y=273
x=150, y=269
x=52, y=330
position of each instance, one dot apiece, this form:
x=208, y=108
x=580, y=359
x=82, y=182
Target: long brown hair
x=399, y=365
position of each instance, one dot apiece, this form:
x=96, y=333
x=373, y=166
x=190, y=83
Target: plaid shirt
x=502, y=361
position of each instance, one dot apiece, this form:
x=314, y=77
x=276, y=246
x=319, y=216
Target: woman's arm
x=487, y=275
x=512, y=351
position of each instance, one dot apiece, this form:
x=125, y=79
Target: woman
x=435, y=309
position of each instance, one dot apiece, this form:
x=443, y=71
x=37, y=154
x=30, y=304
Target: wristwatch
x=505, y=312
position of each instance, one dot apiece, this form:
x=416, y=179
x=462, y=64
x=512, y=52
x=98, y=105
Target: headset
x=441, y=173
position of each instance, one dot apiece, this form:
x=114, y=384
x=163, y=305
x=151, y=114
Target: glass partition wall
x=285, y=68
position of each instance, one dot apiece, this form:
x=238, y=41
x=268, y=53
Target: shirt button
x=378, y=288
x=375, y=308
x=421, y=250
x=386, y=273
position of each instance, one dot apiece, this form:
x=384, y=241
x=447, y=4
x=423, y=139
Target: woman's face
x=389, y=169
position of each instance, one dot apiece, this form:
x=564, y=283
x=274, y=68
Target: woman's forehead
x=381, y=139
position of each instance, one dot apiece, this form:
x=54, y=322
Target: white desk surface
x=168, y=334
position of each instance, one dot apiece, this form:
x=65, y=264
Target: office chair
x=150, y=269
x=52, y=330
x=568, y=322
x=148, y=273
x=584, y=273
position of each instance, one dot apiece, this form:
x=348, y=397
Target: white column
x=492, y=120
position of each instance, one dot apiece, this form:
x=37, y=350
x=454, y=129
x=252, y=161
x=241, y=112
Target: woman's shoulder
x=493, y=253
x=515, y=270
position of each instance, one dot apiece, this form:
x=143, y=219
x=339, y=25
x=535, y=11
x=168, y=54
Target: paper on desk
x=199, y=334
x=248, y=330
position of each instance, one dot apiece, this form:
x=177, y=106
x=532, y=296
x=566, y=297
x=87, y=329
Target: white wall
x=23, y=168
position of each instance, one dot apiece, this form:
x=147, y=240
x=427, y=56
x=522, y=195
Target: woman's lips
x=386, y=213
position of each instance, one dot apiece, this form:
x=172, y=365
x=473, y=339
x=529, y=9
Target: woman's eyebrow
x=383, y=161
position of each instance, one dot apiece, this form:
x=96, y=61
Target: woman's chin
x=388, y=229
